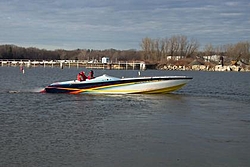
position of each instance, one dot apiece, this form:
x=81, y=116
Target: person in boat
x=81, y=76
x=91, y=74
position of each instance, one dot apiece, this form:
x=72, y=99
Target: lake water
x=206, y=123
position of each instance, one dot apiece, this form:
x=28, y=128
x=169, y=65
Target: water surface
x=206, y=123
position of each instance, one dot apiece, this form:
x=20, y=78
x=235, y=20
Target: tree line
x=16, y=52
x=238, y=51
x=160, y=50
x=152, y=50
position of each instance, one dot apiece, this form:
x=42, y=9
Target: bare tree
x=191, y=48
x=146, y=47
x=208, y=49
x=240, y=50
x=173, y=45
x=163, y=48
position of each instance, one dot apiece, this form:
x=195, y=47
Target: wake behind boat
x=112, y=85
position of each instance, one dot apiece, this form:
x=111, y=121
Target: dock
x=120, y=65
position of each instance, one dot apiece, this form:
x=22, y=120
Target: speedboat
x=106, y=84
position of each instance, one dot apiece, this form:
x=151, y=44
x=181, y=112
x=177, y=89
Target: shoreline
x=134, y=65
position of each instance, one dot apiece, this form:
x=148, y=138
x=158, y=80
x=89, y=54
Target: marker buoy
x=22, y=69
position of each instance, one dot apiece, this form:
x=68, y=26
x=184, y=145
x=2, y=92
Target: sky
x=118, y=24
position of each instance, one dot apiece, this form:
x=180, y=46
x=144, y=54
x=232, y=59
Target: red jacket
x=79, y=77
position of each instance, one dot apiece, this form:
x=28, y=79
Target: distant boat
x=111, y=85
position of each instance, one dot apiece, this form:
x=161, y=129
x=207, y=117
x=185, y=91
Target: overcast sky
x=120, y=24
